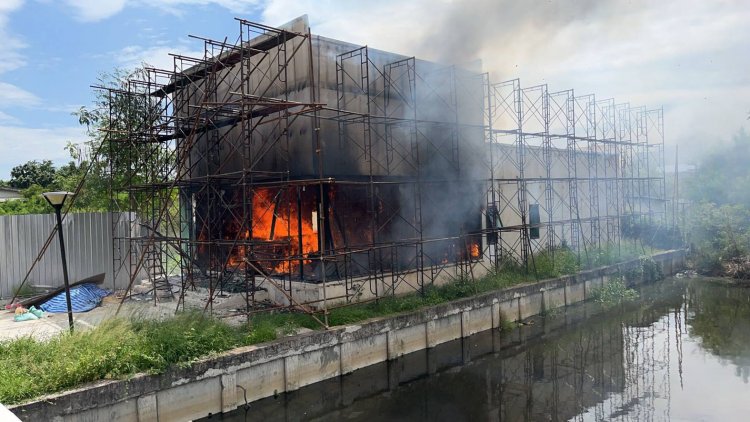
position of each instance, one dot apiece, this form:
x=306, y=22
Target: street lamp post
x=57, y=200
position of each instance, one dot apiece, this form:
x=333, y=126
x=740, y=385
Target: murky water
x=682, y=352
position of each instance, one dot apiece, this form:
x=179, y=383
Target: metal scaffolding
x=309, y=173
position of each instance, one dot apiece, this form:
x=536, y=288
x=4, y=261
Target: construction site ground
x=138, y=306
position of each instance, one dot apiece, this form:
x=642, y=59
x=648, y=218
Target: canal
x=680, y=352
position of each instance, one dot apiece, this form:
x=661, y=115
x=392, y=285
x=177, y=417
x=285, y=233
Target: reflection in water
x=681, y=352
x=719, y=316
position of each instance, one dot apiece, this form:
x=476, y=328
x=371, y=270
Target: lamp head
x=56, y=199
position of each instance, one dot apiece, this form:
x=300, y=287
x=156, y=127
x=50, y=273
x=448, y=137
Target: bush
x=718, y=219
x=613, y=293
x=718, y=234
x=650, y=269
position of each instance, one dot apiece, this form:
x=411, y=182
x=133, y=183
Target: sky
x=690, y=57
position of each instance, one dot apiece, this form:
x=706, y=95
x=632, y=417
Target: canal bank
x=222, y=383
x=680, y=351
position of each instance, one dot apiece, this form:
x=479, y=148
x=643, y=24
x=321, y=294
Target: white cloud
x=156, y=56
x=96, y=10
x=178, y=6
x=11, y=46
x=6, y=118
x=20, y=144
x=13, y=96
x=9, y=5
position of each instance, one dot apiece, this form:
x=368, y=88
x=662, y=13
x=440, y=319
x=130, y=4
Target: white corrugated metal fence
x=88, y=245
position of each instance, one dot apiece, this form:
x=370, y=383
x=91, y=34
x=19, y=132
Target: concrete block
x=574, y=293
x=363, y=352
x=443, y=330
x=509, y=310
x=530, y=305
x=259, y=381
x=190, y=401
x=496, y=314
x=311, y=367
x=554, y=298
x=668, y=265
x=120, y=411
x=147, y=410
x=590, y=285
x=479, y=319
x=228, y=392
x=406, y=340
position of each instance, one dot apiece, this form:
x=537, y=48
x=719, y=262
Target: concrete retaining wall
x=222, y=383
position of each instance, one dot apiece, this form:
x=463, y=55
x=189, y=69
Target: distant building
x=9, y=194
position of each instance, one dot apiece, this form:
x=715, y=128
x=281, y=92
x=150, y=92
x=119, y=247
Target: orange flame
x=475, y=250
x=283, y=230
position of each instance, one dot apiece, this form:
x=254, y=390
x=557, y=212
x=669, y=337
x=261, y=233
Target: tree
x=109, y=161
x=719, y=219
x=116, y=119
x=32, y=203
x=112, y=159
x=719, y=234
x=65, y=178
x=32, y=173
x=722, y=175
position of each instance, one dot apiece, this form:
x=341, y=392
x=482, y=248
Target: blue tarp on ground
x=83, y=298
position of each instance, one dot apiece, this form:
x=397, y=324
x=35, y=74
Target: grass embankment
x=117, y=348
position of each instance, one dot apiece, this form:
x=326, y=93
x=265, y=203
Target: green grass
x=119, y=348
x=433, y=295
x=184, y=338
x=29, y=368
x=556, y=263
x=115, y=349
x=609, y=255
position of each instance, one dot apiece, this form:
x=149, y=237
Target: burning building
x=310, y=171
